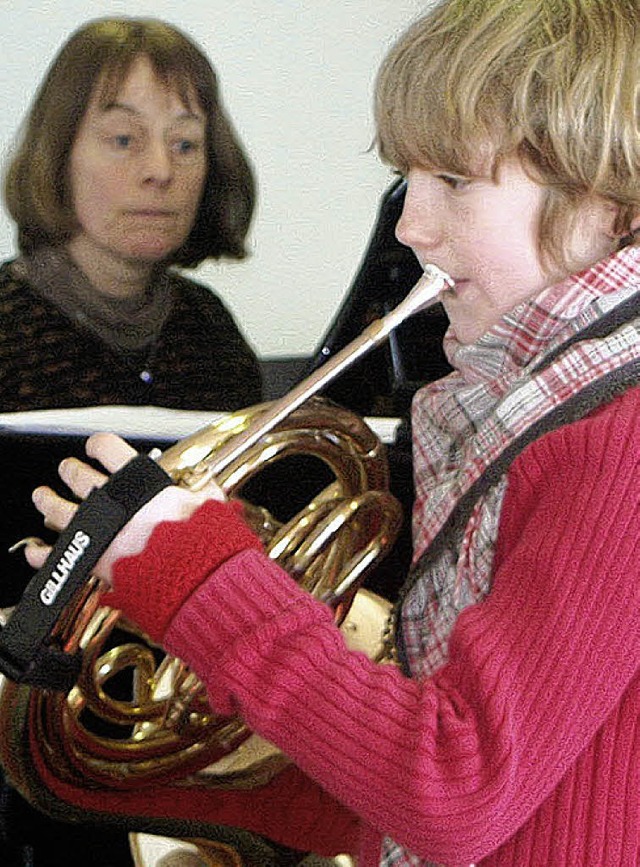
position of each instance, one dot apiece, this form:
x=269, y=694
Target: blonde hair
x=552, y=81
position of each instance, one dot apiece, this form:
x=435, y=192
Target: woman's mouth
x=152, y=213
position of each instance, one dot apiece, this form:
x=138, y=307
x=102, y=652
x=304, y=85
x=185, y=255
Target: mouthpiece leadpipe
x=423, y=295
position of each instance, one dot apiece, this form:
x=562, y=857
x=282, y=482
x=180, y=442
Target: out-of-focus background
x=297, y=77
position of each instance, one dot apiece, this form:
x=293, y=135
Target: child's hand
x=172, y=504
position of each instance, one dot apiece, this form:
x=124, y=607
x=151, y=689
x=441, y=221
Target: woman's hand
x=171, y=504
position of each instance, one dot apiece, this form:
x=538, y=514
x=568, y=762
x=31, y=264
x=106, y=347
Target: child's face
x=483, y=234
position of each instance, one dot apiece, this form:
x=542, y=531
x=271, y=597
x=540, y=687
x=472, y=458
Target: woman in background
x=128, y=168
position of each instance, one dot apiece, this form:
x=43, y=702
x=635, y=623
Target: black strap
x=27, y=651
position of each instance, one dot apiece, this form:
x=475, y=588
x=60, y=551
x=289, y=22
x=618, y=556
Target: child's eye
x=456, y=182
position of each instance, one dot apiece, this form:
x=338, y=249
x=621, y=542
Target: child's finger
x=57, y=511
x=80, y=477
x=111, y=450
x=36, y=553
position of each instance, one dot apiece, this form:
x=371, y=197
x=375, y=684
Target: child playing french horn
x=509, y=733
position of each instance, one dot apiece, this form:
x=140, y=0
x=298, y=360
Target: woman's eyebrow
x=115, y=105
x=118, y=106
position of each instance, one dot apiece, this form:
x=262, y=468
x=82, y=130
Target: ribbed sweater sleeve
x=214, y=534
x=454, y=766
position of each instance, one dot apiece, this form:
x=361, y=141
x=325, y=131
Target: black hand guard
x=28, y=654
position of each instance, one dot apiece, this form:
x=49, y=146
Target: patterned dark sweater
x=201, y=360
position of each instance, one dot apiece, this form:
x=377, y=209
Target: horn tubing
x=423, y=295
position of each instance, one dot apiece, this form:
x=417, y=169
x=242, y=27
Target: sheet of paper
x=131, y=422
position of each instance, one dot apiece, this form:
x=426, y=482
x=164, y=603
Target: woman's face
x=483, y=233
x=137, y=170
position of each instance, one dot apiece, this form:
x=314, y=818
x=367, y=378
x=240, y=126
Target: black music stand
x=383, y=383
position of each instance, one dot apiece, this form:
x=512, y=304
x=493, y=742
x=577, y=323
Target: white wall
x=297, y=79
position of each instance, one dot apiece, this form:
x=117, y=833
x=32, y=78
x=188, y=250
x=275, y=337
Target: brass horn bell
x=138, y=717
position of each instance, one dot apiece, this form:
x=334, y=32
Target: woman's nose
x=157, y=163
x=420, y=225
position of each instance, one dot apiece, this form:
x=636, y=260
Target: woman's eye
x=187, y=147
x=123, y=141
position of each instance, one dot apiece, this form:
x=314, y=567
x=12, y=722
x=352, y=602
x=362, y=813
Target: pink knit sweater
x=523, y=750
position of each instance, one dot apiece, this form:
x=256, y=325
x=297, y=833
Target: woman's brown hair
x=556, y=83
x=37, y=192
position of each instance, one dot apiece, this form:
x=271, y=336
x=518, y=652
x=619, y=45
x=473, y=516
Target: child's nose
x=420, y=224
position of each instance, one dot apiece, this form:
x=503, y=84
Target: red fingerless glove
x=150, y=587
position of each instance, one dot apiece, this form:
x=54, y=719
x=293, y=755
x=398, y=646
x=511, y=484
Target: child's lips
x=458, y=284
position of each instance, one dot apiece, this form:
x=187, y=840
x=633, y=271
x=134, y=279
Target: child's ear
x=633, y=233
x=635, y=224
x=629, y=235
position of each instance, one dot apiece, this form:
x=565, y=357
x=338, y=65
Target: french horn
x=137, y=718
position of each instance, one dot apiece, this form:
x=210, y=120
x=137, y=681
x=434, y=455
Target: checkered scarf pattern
x=526, y=366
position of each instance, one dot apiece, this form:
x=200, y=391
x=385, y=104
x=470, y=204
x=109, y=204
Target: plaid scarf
x=549, y=361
